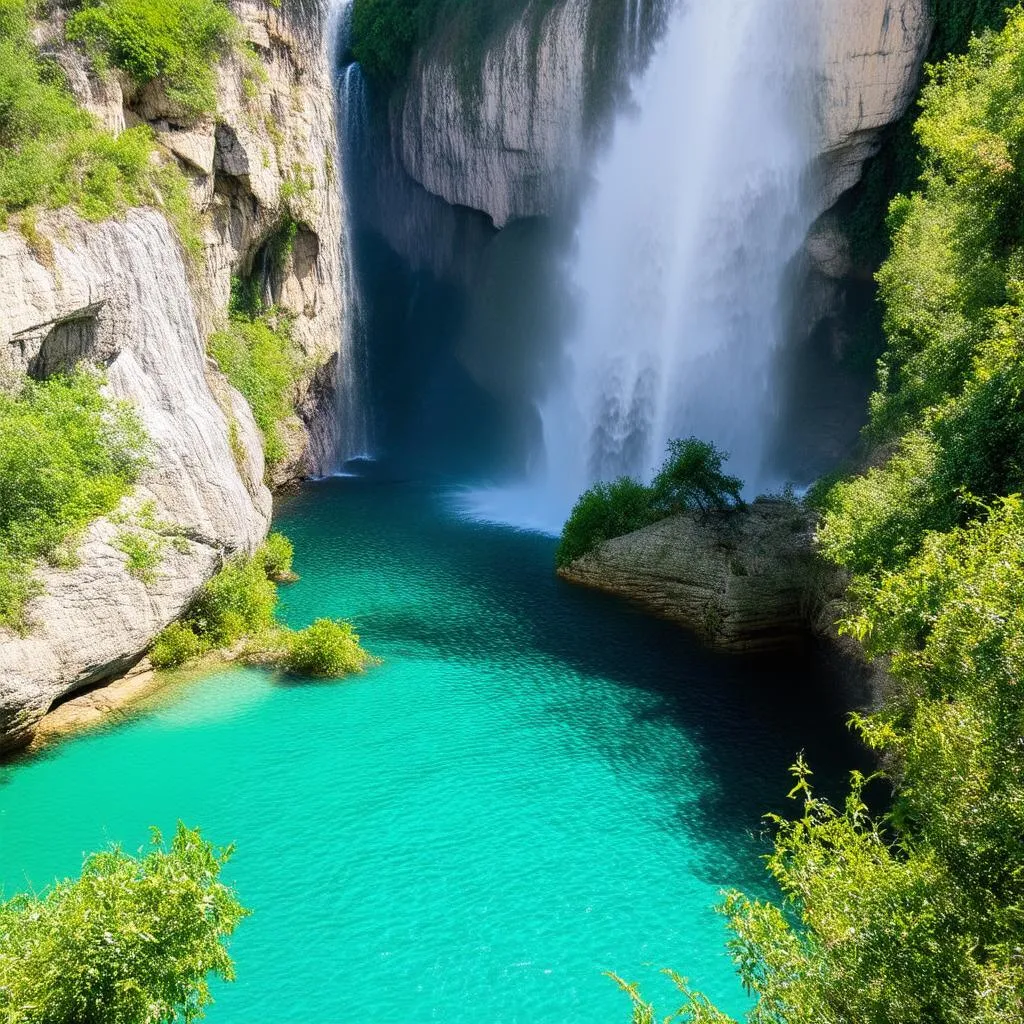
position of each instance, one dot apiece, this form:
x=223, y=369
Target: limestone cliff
x=872, y=53
x=743, y=580
x=509, y=132
x=121, y=294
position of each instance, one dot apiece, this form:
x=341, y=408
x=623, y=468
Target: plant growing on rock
x=68, y=454
x=690, y=479
x=176, y=43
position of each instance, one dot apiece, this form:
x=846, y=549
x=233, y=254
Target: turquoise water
x=537, y=786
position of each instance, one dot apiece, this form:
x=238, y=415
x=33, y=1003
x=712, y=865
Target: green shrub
x=176, y=645
x=384, y=33
x=175, y=42
x=327, y=649
x=914, y=916
x=144, y=554
x=603, y=512
x=67, y=455
x=52, y=154
x=239, y=601
x=258, y=357
x=134, y=939
x=277, y=553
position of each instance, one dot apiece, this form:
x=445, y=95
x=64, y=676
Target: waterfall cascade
x=697, y=209
x=354, y=421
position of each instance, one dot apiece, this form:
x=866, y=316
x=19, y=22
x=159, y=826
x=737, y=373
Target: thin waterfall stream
x=354, y=422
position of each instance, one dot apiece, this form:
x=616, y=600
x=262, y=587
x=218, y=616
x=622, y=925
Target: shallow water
x=537, y=786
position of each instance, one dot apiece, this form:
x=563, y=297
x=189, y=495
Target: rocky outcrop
x=122, y=295
x=743, y=580
x=508, y=132
x=507, y=138
x=117, y=294
x=872, y=59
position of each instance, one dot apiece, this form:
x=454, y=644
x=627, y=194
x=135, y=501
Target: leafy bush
x=383, y=33
x=240, y=600
x=175, y=42
x=603, y=512
x=277, y=554
x=239, y=604
x=690, y=479
x=134, y=939
x=144, y=554
x=67, y=455
x=327, y=649
x=258, y=357
x=176, y=645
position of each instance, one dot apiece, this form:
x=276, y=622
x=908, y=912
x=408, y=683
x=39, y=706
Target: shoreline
x=114, y=700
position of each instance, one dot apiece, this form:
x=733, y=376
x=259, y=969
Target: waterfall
x=681, y=251
x=354, y=423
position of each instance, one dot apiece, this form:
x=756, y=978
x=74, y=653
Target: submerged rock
x=744, y=580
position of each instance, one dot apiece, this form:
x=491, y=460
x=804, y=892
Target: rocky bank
x=744, y=580
x=123, y=295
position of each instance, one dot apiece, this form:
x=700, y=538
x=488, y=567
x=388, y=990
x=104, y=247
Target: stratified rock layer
x=743, y=580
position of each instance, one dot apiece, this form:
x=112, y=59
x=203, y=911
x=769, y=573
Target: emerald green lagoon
x=538, y=784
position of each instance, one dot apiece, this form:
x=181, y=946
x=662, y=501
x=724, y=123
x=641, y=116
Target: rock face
x=744, y=580
x=509, y=134
x=122, y=295
x=117, y=294
x=872, y=58
x=511, y=142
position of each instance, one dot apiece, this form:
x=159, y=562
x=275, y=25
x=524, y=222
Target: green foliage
x=259, y=358
x=603, y=512
x=914, y=917
x=238, y=601
x=176, y=645
x=134, y=939
x=239, y=604
x=52, y=154
x=277, y=554
x=327, y=649
x=691, y=479
x=67, y=455
x=175, y=42
x=900, y=161
x=384, y=32
x=949, y=401
x=144, y=554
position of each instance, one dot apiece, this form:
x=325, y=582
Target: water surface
x=537, y=786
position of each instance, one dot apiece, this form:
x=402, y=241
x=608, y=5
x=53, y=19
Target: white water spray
x=681, y=253
x=354, y=422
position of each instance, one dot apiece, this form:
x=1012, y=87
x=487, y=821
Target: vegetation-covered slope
x=915, y=916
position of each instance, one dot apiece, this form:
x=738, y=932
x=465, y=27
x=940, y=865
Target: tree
x=691, y=478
